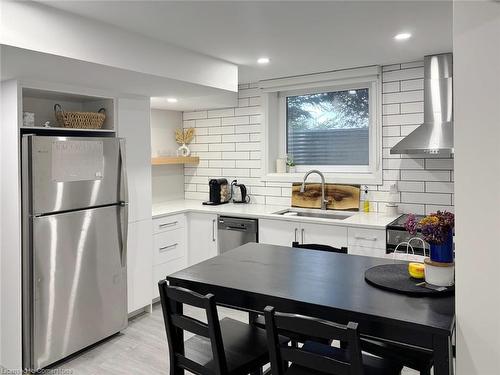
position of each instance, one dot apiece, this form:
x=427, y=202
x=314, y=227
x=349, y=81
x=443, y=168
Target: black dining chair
x=225, y=347
x=315, y=357
x=314, y=246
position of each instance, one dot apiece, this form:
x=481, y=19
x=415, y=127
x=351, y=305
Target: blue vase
x=443, y=252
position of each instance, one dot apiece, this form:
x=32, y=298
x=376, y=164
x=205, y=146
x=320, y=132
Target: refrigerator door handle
x=123, y=202
x=123, y=212
x=123, y=172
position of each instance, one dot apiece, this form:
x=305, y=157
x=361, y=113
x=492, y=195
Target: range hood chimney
x=435, y=135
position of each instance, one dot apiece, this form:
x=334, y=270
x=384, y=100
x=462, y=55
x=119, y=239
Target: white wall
x=228, y=143
x=167, y=180
x=10, y=220
x=477, y=165
x=38, y=27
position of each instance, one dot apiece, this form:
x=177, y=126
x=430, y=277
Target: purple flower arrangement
x=436, y=227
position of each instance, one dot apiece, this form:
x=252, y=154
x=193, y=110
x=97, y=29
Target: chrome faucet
x=324, y=201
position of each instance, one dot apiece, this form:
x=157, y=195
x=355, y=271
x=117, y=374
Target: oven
x=396, y=234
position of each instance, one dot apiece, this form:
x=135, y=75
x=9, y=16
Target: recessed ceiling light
x=172, y=100
x=402, y=36
x=263, y=60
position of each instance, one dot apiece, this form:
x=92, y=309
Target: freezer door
x=79, y=281
x=70, y=173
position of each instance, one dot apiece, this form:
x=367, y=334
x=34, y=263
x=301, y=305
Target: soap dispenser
x=366, y=200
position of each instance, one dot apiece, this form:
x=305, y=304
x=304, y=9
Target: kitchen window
x=333, y=125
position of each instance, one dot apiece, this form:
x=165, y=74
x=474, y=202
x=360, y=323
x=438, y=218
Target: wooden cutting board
x=340, y=197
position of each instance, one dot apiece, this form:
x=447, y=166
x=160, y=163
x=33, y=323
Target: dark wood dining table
x=324, y=285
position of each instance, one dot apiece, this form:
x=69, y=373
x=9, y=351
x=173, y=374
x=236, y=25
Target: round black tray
x=395, y=278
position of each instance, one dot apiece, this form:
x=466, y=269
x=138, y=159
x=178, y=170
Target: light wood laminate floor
x=140, y=349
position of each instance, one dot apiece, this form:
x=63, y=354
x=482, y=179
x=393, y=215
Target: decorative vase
x=443, y=253
x=183, y=150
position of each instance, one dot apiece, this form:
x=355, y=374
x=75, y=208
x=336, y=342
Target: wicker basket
x=79, y=120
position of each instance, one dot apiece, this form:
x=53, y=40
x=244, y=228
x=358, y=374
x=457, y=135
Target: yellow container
x=416, y=270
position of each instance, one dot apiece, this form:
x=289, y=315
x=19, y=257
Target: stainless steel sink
x=323, y=215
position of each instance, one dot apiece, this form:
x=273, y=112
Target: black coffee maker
x=219, y=192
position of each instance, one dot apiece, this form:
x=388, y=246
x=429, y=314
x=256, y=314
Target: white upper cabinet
x=133, y=125
x=202, y=237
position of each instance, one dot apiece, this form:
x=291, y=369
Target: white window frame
x=274, y=129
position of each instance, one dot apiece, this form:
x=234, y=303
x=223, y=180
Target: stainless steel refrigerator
x=74, y=273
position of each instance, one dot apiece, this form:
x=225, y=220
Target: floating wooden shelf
x=162, y=160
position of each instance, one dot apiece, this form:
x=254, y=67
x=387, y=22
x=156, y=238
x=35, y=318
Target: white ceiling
x=299, y=37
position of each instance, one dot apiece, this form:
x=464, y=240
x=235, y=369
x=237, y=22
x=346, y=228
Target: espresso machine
x=219, y=192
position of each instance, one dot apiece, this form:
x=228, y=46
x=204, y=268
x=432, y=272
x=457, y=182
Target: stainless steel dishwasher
x=235, y=231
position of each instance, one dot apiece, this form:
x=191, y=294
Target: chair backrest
x=312, y=329
x=172, y=301
x=314, y=246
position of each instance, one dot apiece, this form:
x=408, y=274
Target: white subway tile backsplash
x=439, y=187
x=403, y=163
x=415, y=107
x=236, y=138
x=407, y=129
x=194, y=115
x=403, y=97
x=221, y=147
x=406, y=119
x=204, y=123
x=245, y=155
x=426, y=198
x=228, y=143
x=390, y=87
x=240, y=120
x=439, y=164
x=413, y=84
x=411, y=186
x=248, y=146
x=391, y=109
x=225, y=112
x=431, y=208
x=207, y=138
x=221, y=130
x=425, y=175
x=247, y=111
x=412, y=64
x=222, y=163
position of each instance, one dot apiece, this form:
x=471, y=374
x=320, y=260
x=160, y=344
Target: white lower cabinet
x=367, y=242
x=278, y=232
x=202, y=238
x=139, y=262
x=283, y=233
x=169, y=248
x=324, y=234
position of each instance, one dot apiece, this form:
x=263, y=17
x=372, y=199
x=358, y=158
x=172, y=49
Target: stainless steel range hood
x=435, y=135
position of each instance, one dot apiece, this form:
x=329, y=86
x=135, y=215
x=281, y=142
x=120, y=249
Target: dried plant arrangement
x=184, y=136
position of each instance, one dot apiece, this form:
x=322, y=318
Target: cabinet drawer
x=168, y=246
x=371, y=238
x=367, y=251
x=167, y=223
x=161, y=271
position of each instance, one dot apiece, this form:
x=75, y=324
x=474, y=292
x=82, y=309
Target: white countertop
x=372, y=220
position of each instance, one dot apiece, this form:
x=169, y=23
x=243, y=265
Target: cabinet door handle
x=167, y=224
x=366, y=238
x=302, y=235
x=166, y=248
x=213, y=230
x=296, y=234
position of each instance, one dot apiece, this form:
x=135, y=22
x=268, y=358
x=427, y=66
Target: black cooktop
x=399, y=223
